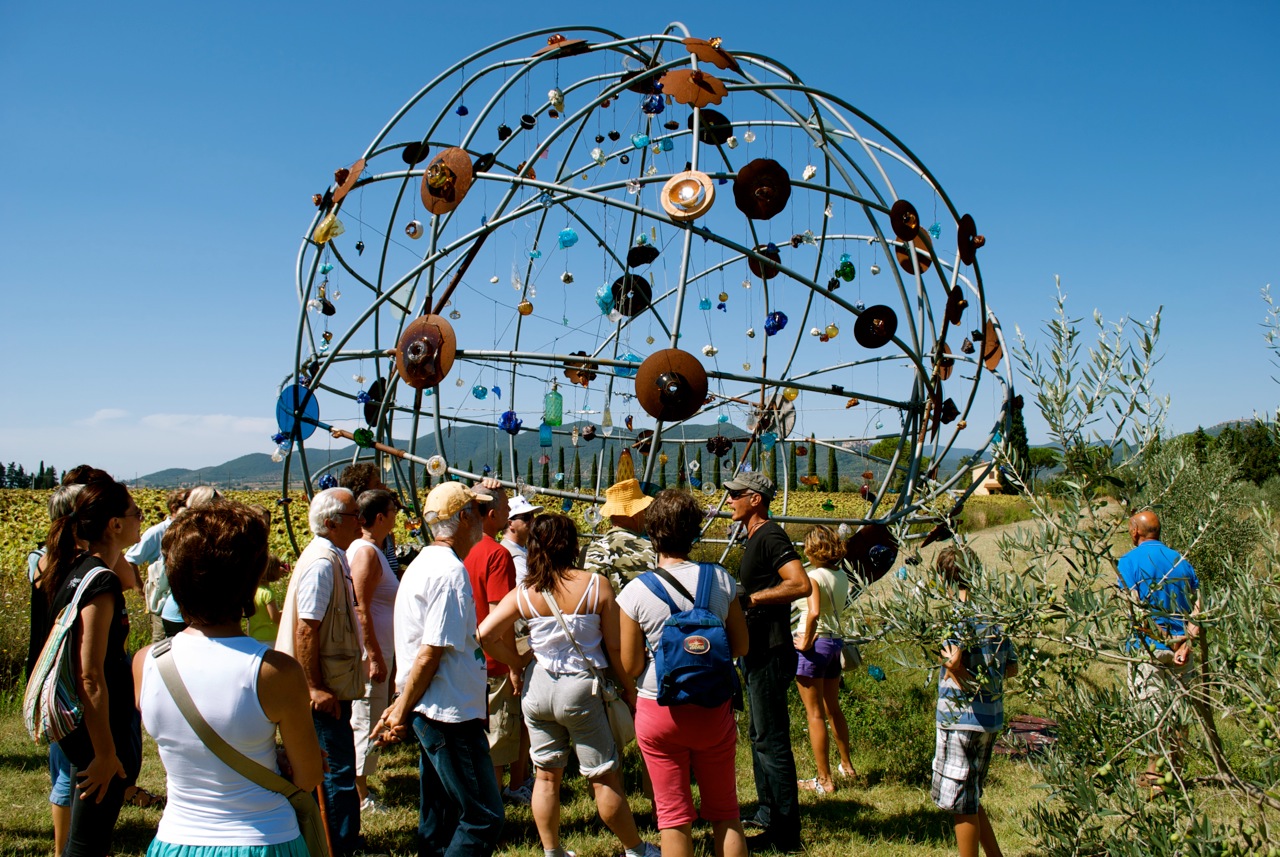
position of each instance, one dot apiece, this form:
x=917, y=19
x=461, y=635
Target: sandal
x=140, y=797
x=844, y=773
x=815, y=785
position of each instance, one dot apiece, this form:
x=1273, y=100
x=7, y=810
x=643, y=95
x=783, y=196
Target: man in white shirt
x=441, y=678
x=515, y=538
x=319, y=628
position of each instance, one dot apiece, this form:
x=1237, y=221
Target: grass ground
x=885, y=819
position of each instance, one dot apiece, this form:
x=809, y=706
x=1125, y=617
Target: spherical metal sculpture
x=588, y=211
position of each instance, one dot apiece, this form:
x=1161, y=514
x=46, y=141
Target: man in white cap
x=441, y=678
x=622, y=552
x=515, y=539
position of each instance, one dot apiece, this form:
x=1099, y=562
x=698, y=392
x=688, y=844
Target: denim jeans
x=769, y=676
x=461, y=809
x=341, y=799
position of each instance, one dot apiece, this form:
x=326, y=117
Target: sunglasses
x=739, y=493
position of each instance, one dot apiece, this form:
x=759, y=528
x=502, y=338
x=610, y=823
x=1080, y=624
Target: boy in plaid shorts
x=975, y=662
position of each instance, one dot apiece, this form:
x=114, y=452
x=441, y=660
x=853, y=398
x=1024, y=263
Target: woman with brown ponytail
x=105, y=750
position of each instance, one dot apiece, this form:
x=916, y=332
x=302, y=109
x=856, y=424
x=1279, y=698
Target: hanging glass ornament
x=455, y=315
x=479, y=392
x=827, y=212
x=462, y=110
x=694, y=466
x=628, y=371
x=751, y=333
x=936, y=230
x=494, y=278
x=731, y=142
x=768, y=441
x=710, y=350
x=813, y=331
x=832, y=331
x=879, y=424
x=566, y=505
x=722, y=419
x=859, y=305
x=592, y=516
x=662, y=458
x=639, y=141
x=629, y=422
x=559, y=477
x=413, y=230
x=828, y=506
x=363, y=438
x=556, y=97
x=790, y=394
x=648, y=340
x=774, y=322
x=846, y=271
x=553, y=407
x=624, y=159
x=566, y=278
x=504, y=131
x=326, y=268
x=277, y=456
x=327, y=481
x=524, y=307
x=708, y=488
x=749, y=137
x=875, y=269
x=510, y=423
x=666, y=144
x=544, y=459
x=436, y=465
x=606, y=422
x=573, y=436
x=597, y=155
x=704, y=304
x=843, y=531
x=362, y=398
x=359, y=248
x=809, y=172
x=544, y=436
x=567, y=238
x=652, y=104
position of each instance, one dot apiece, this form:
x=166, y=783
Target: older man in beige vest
x=320, y=629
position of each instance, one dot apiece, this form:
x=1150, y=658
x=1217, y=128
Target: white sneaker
x=521, y=796
x=372, y=806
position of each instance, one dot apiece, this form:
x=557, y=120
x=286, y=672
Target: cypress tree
x=772, y=456
x=577, y=471
x=546, y=473
x=609, y=452
x=681, y=467
x=833, y=470
x=793, y=469
x=528, y=475
x=560, y=463
x=498, y=470
x=595, y=472
x=813, y=466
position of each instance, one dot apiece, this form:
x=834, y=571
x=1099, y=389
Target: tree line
x=14, y=475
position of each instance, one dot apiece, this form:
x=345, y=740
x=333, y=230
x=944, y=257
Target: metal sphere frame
x=608, y=192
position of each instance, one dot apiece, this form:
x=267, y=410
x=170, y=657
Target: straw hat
x=624, y=497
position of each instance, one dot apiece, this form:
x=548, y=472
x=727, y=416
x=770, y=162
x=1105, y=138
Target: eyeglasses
x=522, y=518
x=136, y=513
x=349, y=514
x=739, y=493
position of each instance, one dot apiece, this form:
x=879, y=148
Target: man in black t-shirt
x=772, y=577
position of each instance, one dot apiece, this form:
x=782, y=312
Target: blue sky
x=162, y=157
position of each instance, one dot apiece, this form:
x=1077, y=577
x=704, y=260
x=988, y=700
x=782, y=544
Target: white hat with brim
x=520, y=506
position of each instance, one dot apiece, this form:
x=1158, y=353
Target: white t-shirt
x=650, y=612
x=382, y=605
x=435, y=607
x=519, y=556
x=315, y=584
x=830, y=585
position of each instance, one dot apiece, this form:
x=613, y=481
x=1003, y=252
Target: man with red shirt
x=493, y=575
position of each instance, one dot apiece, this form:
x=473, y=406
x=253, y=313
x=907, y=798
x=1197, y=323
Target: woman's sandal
x=814, y=785
x=844, y=773
x=140, y=797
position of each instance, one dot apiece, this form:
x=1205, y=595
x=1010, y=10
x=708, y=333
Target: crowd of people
x=500, y=648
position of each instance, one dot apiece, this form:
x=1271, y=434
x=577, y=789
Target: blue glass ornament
x=487, y=470
x=327, y=481
x=628, y=372
x=535, y=253
x=279, y=438
x=704, y=304
x=559, y=477
x=879, y=424
x=462, y=110
x=936, y=230
x=363, y=398
x=566, y=505
x=496, y=390
x=902, y=573
x=546, y=200
x=567, y=238
x=326, y=268
x=510, y=423
x=653, y=105
x=876, y=673
x=480, y=392
x=639, y=141
x=774, y=322
x=997, y=437
x=604, y=299
x=723, y=418
x=544, y=435
x=695, y=482
x=768, y=440
x=720, y=306
x=666, y=144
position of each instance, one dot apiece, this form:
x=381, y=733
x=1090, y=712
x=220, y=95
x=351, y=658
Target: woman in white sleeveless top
x=376, y=588
x=561, y=701
x=242, y=688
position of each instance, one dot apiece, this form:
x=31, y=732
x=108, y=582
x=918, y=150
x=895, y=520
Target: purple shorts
x=822, y=661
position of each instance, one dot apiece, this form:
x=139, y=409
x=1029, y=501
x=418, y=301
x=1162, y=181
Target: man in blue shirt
x=1166, y=593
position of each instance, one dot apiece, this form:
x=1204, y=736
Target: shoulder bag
x=51, y=708
x=310, y=820
x=622, y=723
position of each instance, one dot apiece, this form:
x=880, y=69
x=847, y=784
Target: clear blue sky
x=161, y=157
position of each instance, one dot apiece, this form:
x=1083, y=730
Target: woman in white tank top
x=376, y=589
x=242, y=688
x=561, y=700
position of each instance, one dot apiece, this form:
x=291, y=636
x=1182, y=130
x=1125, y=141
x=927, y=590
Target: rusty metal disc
x=671, y=385
x=761, y=189
x=992, y=351
x=709, y=50
x=905, y=220
x=714, y=129
x=425, y=352
x=632, y=294
x=764, y=270
x=875, y=326
x=694, y=88
x=922, y=245
x=452, y=169
x=968, y=240
x=348, y=181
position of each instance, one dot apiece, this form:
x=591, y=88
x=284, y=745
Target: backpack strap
x=705, y=577
x=661, y=591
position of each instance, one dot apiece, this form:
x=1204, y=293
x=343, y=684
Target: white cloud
x=200, y=424
x=103, y=415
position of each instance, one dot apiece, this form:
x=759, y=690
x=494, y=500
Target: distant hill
x=478, y=446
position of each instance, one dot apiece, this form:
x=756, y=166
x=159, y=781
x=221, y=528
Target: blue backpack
x=692, y=656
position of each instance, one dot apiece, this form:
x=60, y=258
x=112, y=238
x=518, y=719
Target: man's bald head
x=1144, y=526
